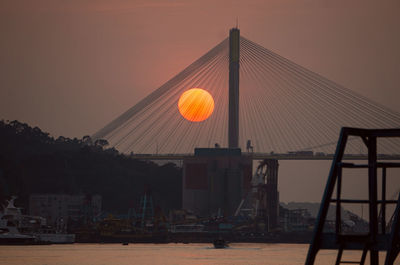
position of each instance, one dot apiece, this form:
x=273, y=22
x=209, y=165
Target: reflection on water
x=166, y=254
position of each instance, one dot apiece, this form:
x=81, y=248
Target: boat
x=51, y=236
x=220, y=243
x=10, y=237
x=9, y=233
x=16, y=227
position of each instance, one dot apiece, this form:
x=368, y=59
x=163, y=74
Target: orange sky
x=70, y=67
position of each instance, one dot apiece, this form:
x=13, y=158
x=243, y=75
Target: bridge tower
x=234, y=58
x=215, y=179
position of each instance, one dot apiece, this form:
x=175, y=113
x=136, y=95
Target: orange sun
x=196, y=104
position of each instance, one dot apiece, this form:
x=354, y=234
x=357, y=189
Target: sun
x=196, y=104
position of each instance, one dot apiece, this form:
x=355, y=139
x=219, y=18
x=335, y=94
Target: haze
x=70, y=67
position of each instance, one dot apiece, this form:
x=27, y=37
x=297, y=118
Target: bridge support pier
x=272, y=193
x=215, y=180
x=268, y=194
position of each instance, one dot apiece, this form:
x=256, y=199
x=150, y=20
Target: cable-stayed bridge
x=284, y=109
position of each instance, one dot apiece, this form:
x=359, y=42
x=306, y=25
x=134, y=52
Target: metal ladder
x=375, y=240
x=340, y=261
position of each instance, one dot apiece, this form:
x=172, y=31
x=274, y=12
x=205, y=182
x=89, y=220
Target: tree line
x=32, y=162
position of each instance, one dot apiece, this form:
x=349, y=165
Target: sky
x=70, y=67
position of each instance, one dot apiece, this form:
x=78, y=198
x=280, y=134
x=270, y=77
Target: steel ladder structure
x=377, y=239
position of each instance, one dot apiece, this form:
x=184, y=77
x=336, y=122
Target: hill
x=31, y=161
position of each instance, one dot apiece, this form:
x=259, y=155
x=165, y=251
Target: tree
x=87, y=140
x=101, y=143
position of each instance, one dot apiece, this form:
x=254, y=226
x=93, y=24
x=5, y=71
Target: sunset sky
x=70, y=67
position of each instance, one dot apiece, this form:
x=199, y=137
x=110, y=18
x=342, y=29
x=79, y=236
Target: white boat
x=11, y=236
x=9, y=233
x=15, y=224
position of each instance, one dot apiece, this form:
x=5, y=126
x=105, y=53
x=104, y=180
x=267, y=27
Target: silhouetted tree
x=101, y=143
x=33, y=162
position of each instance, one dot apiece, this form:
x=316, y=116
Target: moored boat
x=17, y=228
x=220, y=243
x=9, y=235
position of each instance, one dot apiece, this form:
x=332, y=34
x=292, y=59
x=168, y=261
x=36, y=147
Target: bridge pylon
x=234, y=58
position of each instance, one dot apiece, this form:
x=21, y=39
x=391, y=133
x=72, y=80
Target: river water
x=165, y=254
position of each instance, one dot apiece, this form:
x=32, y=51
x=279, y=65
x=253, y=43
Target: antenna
x=237, y=22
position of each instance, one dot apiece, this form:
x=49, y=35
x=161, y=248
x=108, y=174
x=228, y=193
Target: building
x=215, y=180
x=63, y=207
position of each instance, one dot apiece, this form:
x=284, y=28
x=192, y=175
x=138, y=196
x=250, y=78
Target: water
x=165, y=254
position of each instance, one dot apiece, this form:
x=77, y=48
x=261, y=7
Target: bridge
x=262, y=156
x=281, y=107
x=281, y=112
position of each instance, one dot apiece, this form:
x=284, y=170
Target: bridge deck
x=261, y=156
